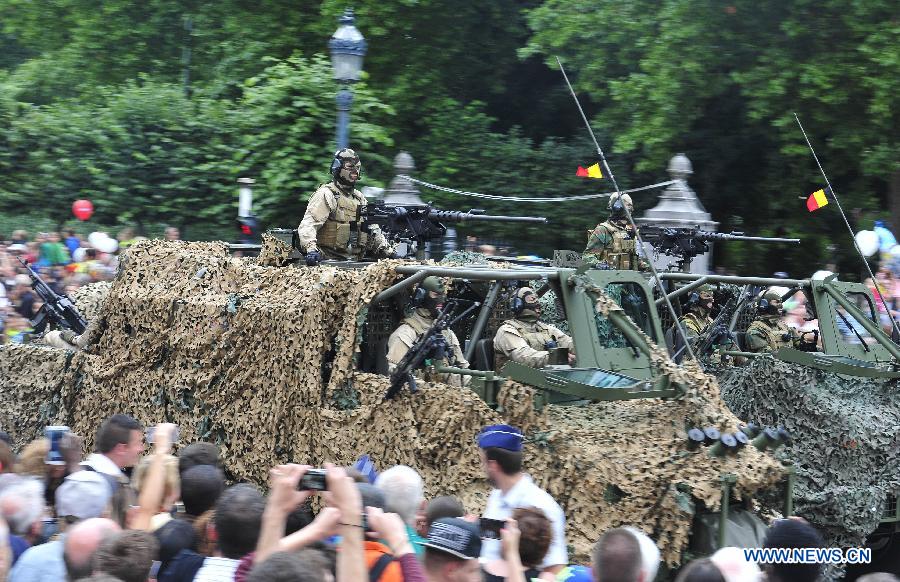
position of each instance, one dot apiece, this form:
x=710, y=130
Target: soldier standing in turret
x=327, y=225
x=612, y=244
x=525, y=338
x=427, y=301
x=768, y=332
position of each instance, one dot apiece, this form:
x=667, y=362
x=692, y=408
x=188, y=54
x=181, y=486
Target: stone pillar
x=679, y=206
x=402, y=191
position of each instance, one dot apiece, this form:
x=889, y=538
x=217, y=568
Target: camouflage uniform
x=525, y=339
x=330, y=218
x=697, y=321
x=413, y=326
x=526, y=342
x=612, y=244
x=768, y=332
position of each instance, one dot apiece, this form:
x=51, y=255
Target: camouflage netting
x=233, y=352
x=846, y=445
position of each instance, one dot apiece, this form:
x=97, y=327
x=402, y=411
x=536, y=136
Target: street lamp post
x=348, y=47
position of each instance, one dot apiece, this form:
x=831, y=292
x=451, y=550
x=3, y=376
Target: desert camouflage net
x=846, y=444
x=233, y=352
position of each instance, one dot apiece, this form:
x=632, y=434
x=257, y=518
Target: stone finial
x=680, y=167
x=401, y=190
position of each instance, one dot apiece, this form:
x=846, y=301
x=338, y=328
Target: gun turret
x=57, y=309
x=417, y=224
x=687, y=243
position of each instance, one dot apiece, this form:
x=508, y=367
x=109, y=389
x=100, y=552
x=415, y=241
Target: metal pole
x=344, y=100
x=482, y=320
x=765, y=281
x=847, y=222
x=398, y=287
x=481, y=274
x=682, y=290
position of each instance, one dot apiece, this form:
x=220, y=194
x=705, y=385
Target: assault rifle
x=687, y=243
x=431, y=345
x=417, y=224
x=57, y=309
x=719, y=332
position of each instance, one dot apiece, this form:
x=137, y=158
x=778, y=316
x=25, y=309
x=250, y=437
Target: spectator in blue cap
x=501, y=459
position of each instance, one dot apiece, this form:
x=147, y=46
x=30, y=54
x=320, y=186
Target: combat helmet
x=423, y=299
x=525, y=304
x=342, y=175
x=767, y=304
x=618, y=203
x=701, y=299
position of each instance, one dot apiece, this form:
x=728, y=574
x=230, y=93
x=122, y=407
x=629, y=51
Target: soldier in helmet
x=768, y=332
x=526, y=339
x=427, y=301
x=699, y=316
x=612, y=244
x=328, y=224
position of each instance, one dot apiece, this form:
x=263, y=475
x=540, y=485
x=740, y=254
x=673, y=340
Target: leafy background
x=153, y=109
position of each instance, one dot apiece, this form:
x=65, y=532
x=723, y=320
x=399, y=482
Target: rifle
x=57, y=309
x=431, y=345
x=687, y=243
x=718, y=331
x=417, y=224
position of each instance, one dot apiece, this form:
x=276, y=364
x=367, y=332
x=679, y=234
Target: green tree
x=287, y=118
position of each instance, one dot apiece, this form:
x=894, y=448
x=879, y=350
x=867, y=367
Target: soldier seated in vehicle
x=612, y=244
x=699, y=316
x=328, y=225
x=526, y=339
x=427, y=302
x=768, y=332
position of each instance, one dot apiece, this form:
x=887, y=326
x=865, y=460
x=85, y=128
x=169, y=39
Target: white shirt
x=526, y=494
x=217, y=570
x=103, y=464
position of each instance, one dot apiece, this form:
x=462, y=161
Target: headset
x=337, y=162
x=516, y=304
x=418, y=297
x=693, y=299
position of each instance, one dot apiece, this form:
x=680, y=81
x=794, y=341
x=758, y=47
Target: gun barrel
x=454, y=216
x=736, y=236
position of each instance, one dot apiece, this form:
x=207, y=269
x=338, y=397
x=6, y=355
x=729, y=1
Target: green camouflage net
x=846, y=440
x=233, y=351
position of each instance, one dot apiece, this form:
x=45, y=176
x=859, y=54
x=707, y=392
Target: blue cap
x=501, y=436
x=366, y=466
x=575, y=574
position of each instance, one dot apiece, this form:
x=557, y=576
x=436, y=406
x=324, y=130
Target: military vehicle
x=282, y=365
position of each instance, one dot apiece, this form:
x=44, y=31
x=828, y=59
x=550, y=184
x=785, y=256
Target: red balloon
x=82, y=209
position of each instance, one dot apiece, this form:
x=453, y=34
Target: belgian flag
x=818, y=199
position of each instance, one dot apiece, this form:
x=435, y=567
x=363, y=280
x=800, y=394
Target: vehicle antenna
x=847, y=222
x=687, y=342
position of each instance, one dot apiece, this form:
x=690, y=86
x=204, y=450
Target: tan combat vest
x=536, y=334
x=774, y=336
x=335, y=233
x=620, y=253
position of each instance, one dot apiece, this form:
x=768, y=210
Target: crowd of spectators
x=115, y=515
x=65, y=261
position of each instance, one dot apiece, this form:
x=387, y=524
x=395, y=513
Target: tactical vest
x=774, y=336
x=421, y=327
x=620, y=252
x=336, y=233
x=693, y=323
x=535, y=334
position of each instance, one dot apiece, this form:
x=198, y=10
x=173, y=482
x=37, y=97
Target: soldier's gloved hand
x=601, y=265
x=313, y=258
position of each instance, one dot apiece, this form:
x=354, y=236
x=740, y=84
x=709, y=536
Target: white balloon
x=821, y=275
x=96, y=237
x=79, y=254
x=895, y=251
x=868, y=242
x=107, y=245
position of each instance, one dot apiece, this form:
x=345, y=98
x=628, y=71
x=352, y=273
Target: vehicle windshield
x=850, y=329
x=631, y=297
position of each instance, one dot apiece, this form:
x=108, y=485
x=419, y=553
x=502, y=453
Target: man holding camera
x=501, y=458
x=525, y=338
x=330, y=219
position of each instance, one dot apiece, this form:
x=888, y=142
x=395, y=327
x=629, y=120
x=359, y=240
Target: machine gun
x=57, y=309
x=431, y=345
x=719, y=332
x=416, y=224
x=687, y=243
